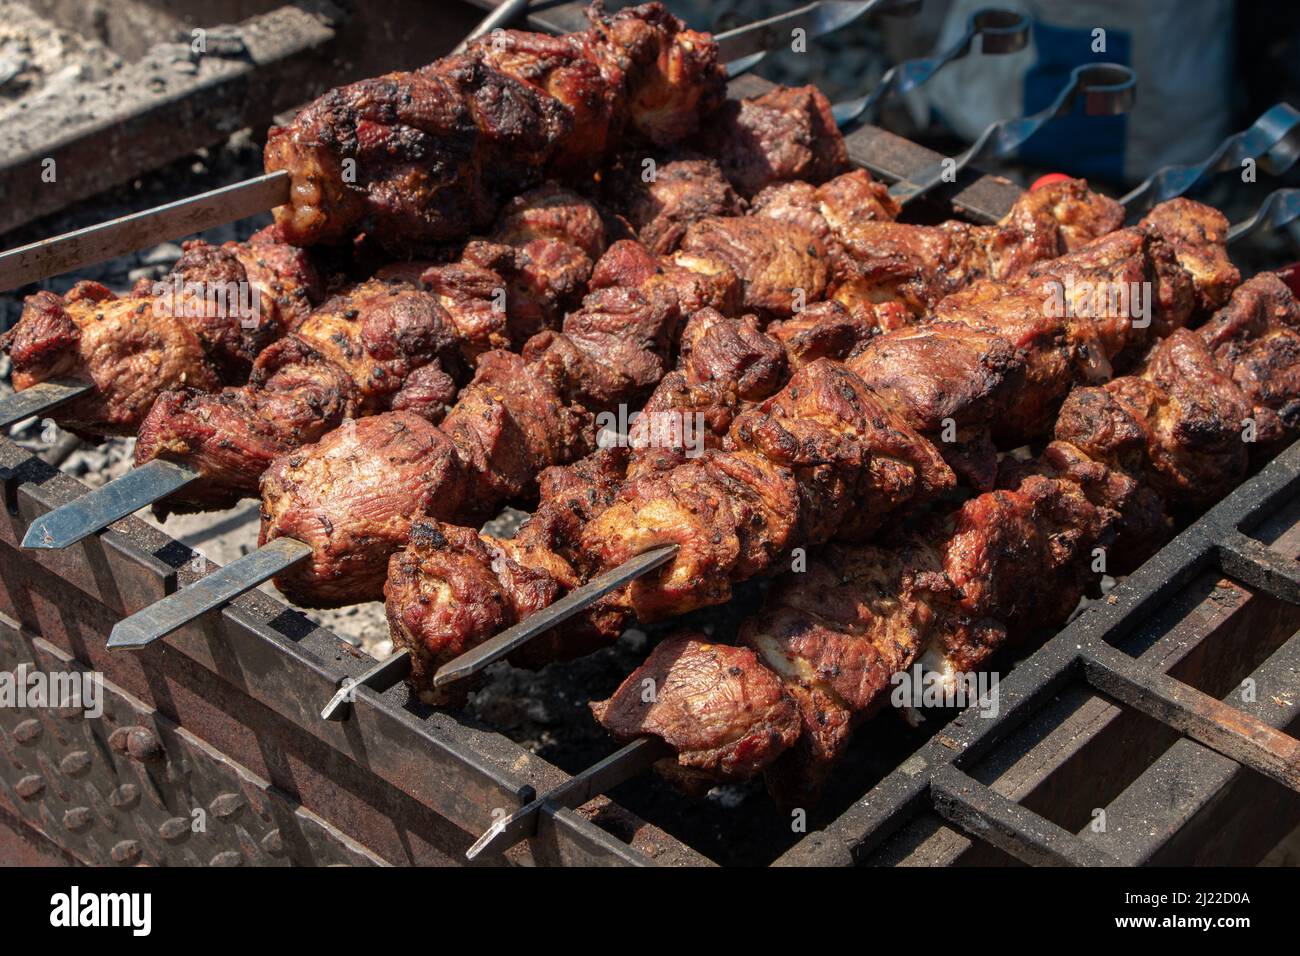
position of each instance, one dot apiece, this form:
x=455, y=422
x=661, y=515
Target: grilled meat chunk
x=662, y=200
x=129, y=353
x=420, y=158
x=198, y=327
x=787, y=133
x=352, y=497
x=229, y=438
x=781, y=266
x=375, y=346
x=885, y=265
x=720, y=711
x=1257, y=336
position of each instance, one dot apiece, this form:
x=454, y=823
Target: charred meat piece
x=885, y=263
x=376, y=346
x=229, y=438
x=199, y=327
x=421, y=158
x=1257, y=336
x=352, y=496
x=662, y=198
x=507, y=425
x=120, y=345
x=787, y=133
x=721, y=711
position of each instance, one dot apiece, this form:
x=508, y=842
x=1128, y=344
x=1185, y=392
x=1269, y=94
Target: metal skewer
x=394, y=668
x=1107, y=88
x=39, y=398
x=497, y=18
x=1000, y=32
x=1278, y=208
x=618, y=767
x=100, y=507
x=1273, y=140
x=207, y=593
x=745, y=47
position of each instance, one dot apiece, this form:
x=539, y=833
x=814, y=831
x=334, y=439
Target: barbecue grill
x=1152, y=729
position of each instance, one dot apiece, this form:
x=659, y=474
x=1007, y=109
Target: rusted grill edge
x=932, y=778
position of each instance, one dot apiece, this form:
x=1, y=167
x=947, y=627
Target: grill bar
x=1187, y=800
x=1007, y=825
x=1230, y=731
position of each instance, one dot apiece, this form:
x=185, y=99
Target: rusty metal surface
x=409, y=783
x=131, y=787
x=902, y=819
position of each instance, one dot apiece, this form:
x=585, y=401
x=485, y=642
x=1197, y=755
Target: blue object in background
x=1089, y=146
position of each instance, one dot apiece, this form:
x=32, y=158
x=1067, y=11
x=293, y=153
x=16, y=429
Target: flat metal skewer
x=100, y=507
x=38, y=399
x=1273, y=140
x=745, y=47
x=490, y=651
x=394, y=668
x=1107, y=88
x=380, y=677
x=117, y=237
x=618, y=767
x=220, y=587
x=1000, y=31
x=1278, y=208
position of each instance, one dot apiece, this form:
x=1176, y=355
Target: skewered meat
x=193, y=328
x=781, y=266
x=380, y=345
x=115, y=343
x=376, y=346
x=833, y=455
x=718, y=709
x=415, y=159
x=787, y=133
x=838, y=434
x=520, y=415
x=332, y=496
x=888, y=264
x=662, y=199
x=1012, y=561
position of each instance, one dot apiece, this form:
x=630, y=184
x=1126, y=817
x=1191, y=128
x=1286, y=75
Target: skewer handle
x=1273, y=139
x=383, y=675
x=744, y=48
x=1279, y=208
x=1107, y=89
x=617, y=768
x=1001, y=31
x=38, y=399
x=99, y=508
x=218, y=588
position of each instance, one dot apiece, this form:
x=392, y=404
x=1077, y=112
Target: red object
x=1048, y=179
x=1291, y=276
